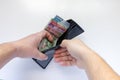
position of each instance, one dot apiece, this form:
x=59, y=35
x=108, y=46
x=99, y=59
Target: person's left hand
x=28, y=46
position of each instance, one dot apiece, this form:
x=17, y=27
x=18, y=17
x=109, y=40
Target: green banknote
x=46, y=44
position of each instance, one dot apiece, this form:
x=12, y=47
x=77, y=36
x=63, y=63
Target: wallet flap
x=72, y=31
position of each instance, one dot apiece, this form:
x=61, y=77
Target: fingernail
x=42, y=59
x=45, y=58
x=61, y=63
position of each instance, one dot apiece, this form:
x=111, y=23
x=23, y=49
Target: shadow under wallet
x=73, y=31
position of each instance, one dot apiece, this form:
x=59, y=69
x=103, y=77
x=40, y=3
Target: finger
x=43, y=34
x=73, y=61
x=64, y=43
x=61, y=54
x=49, y=36
x=60, y=50
x=66, y=63
x=65, y=58
x=40, y=56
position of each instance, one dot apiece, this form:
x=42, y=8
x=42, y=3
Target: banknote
x=46, y=44
x=56, y=27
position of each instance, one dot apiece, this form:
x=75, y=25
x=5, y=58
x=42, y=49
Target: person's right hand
x=73, y=52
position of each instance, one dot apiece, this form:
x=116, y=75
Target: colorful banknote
x=56, y=27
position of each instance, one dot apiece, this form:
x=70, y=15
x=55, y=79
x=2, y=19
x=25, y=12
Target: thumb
x=41, y=56
x=64, y=43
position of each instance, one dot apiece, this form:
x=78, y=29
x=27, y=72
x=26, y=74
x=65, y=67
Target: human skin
x=75, y=52
x=23, y=48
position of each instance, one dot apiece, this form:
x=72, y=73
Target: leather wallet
x=71, y=32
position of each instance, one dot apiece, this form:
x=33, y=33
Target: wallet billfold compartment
x=73, y=31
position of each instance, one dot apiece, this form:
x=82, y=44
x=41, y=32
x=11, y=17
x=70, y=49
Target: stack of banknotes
x=56, y=27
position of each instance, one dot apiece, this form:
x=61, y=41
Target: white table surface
x=99, y=18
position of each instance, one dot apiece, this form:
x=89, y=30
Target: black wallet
x=71, y=32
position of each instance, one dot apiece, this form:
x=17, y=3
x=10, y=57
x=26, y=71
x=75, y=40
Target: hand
x=73, y=52
x=28, y=46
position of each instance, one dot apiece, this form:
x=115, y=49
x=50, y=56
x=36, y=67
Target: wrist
x=13, y=49
x=10, y=48
x=84, y=53
x=17, y=48
x=86, y=57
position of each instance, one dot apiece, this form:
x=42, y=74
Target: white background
x=99, y=18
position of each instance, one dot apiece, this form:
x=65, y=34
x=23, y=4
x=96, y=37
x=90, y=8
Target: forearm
x=97, y=69
x=7, y=52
